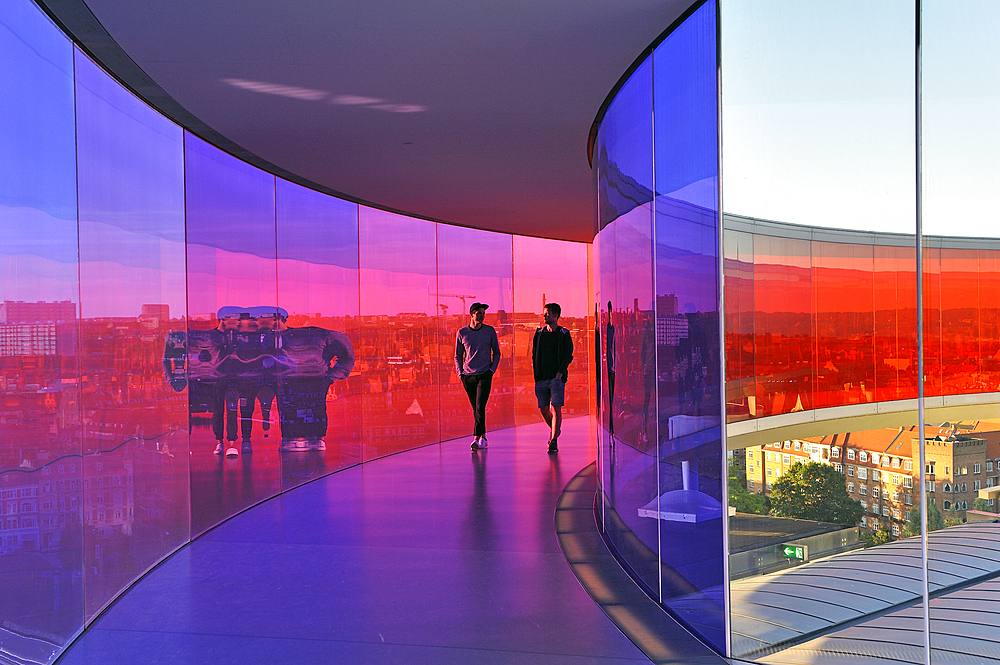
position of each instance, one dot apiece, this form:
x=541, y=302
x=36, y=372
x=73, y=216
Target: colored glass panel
x=895, y=280
x=317, y=404
x=399, y=332
x=688, y=258
x=232, y=332
x=550, y=271
x=739, y=284
x=474, y=266
x=41, y=465
x=133, y=310
x=843, y=342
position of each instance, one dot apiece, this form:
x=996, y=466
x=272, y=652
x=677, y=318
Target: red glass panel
x=933, y=351
x=895, y=291
x=844, y=364
x=783, y=326
x=961, y=332
x=740, y=383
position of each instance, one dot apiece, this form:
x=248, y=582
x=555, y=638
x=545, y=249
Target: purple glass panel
x=475, y=266
x=399, y=332
x=318, y=397
x=41, y=469
x=232, y=336
x=132, y=306
x=690, y=506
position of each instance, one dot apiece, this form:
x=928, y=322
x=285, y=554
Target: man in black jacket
x=551, y=354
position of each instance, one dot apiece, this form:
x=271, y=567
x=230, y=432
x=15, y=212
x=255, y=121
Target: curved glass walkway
x=435, y=555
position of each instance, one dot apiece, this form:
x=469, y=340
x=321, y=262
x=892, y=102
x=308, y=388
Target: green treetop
x=814, y=491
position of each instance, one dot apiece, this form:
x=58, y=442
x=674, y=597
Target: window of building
x=947, y=505
x=908, y=465
x=885, y=511
x=885, y=460
x=769, y=474
x=798, y=446
x=788, y=445
x=786, y=459
x=750, y=454
x=864, y=504
x=863, y=456
x=989, y=502
x=863, y=490
x=975, y=485
x=945, y=487
x=975, y=468
x=895, y=496
x=895, y=462
x=895, y=531
x=965, y=505
x=989, y=467
x=929, y=469
x=850, y=487
x=907, y=481
x=895, y=479
x=835, y=452
x=957, y=471
x=930, y=485
x=895, y=513
x=750, y=468
x=965, y=470
x=989, y=481
x=876, y=476
x=874, y=492
x=908, y=499
x=875, y=458
x=965, y=487
x=850, y=453
x=838, y=467
x=850, y=471
x=864, y=521
x=750, y=484
x=769, y=485
x=862, y=473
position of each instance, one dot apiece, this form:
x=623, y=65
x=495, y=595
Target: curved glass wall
x=183, y=335
x=805, y=396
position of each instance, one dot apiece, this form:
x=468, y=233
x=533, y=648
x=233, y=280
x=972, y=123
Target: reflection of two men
x=254, y=357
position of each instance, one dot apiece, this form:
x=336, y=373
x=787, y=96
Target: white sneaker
x=233, y=451
x=218, y=449
x=482, y=442
x=475, y=444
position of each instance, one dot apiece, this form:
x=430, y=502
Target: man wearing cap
x=477, y=355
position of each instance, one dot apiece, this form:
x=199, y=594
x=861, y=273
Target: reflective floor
x=435, y=555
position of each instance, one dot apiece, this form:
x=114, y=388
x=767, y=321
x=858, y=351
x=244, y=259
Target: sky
x=818, y=107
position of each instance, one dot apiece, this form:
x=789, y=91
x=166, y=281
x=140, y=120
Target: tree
x=982, y=505
x=814, y=491
x=739, y=497
x=935, y=520
x=878, y=536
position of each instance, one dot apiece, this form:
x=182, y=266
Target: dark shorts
x=551, y=392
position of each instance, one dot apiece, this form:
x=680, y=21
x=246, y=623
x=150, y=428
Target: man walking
x=551, y=354
x=477, y=355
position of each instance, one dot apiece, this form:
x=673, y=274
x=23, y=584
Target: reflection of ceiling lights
x=308, y=94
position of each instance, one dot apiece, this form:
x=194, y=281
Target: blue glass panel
x=690, y=506
x=41, y=468
x=624, y=148
x=132, y=306
x=232, y=335
x=319, y=389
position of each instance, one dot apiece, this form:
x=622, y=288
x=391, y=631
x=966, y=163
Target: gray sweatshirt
x=476, y=351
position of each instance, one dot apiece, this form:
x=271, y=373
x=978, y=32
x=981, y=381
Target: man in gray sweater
x=477, y=355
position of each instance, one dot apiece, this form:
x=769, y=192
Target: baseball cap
x=478, y=305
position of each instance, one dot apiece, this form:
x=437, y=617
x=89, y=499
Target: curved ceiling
x=469, y=113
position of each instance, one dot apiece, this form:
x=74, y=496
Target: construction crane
x=463, y=298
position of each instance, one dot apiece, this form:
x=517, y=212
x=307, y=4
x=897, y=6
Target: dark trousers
x=477, y=387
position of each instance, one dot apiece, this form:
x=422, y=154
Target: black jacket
x=547, y=365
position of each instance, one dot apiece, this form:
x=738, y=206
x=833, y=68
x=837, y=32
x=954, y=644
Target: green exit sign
x=797, y=552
